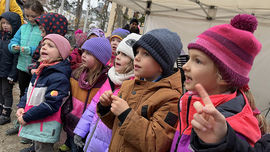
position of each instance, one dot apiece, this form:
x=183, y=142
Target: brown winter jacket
x=150, y=125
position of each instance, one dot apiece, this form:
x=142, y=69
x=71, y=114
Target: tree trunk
x=78, y=14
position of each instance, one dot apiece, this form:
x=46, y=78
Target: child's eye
x=146, y=53
x=198, y=61
x=118, y=53
x=136, y=52
x=124, y=54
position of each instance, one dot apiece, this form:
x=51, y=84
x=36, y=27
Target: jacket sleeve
x=13, y=75
x=106, y=117
x=14, y=7
x=58, y=87
x=157, y=132
x=230, y=143
x=83, y=127
x=34, y=62
x=15, y=41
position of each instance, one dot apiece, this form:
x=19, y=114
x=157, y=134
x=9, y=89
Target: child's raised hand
x=20, y=112
x=21, y=121
x=209, y=124
x=118, y=105
x=105, y=99
x=16, y=48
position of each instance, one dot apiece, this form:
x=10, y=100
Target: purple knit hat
x=100, y=48
x=119, y=33
x=232, y=47
x=97, y=32
x=61, y=43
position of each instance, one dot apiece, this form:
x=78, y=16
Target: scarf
x=82, y=80
x=44, y=64
x=117, y=78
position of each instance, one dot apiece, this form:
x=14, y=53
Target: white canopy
x=189, y=18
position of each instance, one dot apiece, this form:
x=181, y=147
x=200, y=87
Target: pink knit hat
x=232, y=47
x=61, y=43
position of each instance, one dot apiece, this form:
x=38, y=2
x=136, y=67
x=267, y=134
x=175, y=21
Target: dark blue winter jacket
x=8, y=61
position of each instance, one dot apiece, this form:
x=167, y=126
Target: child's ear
x=160, y=69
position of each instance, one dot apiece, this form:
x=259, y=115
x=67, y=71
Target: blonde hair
x=92, y=74
x=261, y=119
x=129, y=66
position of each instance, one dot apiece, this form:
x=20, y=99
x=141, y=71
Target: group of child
x=123, y=93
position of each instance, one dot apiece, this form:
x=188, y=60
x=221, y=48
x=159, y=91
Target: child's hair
x=125, y=46
x=100, y=48
x=119, y=33
x=34, y=5
x=62, y=45
x=163, y=45
x=233, y=48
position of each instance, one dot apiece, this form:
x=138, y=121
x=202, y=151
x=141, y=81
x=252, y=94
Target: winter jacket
x=13, y=7
x=42, y=103
x=8, y=61
x=151, y=122
x=28, y=36
x=231, y=143
x=100, y=135
x=76, y=56
x=239, y=116
x=53, y=23
x=80, y=100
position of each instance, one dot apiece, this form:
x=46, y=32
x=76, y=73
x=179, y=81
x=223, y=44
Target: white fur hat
x=126, y=44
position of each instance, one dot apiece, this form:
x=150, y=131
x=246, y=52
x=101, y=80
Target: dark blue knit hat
x=163, y=45
x=134, y=20
x=100, y=48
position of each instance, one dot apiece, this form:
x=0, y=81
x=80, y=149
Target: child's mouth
x=43, y=53
x=188, y=79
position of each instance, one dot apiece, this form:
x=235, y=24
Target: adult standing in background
x=133, y=26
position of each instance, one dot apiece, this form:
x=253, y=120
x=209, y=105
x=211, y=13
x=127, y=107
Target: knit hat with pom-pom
x=232, y=47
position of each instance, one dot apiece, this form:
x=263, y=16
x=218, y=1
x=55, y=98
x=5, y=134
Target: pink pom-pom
x=245, y=22
x=78, y=31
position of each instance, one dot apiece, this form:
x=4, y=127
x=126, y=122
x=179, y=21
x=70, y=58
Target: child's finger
x=204, y=95
x=218, y=117
x=201, y=119
x=197, y=126
x=198, y=106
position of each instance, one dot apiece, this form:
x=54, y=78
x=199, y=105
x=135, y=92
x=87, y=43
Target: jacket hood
x=62, y=67
x=53, y=23
x=14, y=20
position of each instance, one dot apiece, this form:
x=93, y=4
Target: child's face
x=121, y=62
x=48, y=51
x=201, y=69
x=30, y=16
x=43, y=32
x=5, y=25
x=146, y=66
x=114, y=44
x=88, y=59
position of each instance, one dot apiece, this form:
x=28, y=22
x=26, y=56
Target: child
x=9, y=24
x=13, y=7
x=76, y=54
x=50, y=23
x=85, y=82
x=39, y=109
x=25, y=42
x=143, y=116
x=116, y=37
x=99, y=135
x=220, y=60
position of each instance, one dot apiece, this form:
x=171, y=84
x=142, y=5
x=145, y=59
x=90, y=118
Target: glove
x=26, y=50
x=78, y=141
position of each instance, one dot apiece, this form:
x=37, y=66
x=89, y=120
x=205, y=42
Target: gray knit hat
x=100, y=48
x=163, y=45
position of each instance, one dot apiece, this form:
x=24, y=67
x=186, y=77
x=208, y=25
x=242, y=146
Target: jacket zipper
x=178, y=140
x=26, y=63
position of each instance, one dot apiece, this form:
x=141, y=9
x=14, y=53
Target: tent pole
x=145, y=23
x=7, y=5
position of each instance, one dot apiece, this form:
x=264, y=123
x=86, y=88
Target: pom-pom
x=78, y=31
x=245, y=22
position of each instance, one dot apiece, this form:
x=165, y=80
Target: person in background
x=133, y=26
x=85, y=82
x=98, y=135
x=117, y=36
x=9, y=24
x=13, y=7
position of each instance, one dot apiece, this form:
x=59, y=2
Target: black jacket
x=8, y=61
x=231, y=143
